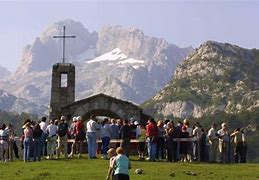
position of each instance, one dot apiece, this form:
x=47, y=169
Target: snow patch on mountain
x=113, y=55
x=131, y=61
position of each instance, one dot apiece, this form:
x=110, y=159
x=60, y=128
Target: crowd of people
x=156, y=140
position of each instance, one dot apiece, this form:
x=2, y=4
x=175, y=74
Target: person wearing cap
x=79, y=134
x=62, y=137
x=72, y=136
x=224, y=139
x=213, y=143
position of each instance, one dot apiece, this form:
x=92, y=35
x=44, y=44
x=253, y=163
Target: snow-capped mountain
x=116, y=57
x=117, y=61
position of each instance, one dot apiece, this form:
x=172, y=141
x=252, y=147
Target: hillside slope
x=215, y=77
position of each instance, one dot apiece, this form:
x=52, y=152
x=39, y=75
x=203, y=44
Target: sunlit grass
x=84, y=168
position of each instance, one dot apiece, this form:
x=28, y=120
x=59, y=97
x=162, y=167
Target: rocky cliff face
x=12, y=103
x=117, y=61
x=45, y=51
x=215, y=77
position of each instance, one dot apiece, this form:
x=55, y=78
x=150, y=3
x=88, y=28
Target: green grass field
x=84, y=168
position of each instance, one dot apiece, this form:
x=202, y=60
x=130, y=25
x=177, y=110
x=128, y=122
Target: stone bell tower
x=63, y=82
x=62, y=88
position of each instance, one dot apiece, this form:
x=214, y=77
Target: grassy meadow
x=96, y=169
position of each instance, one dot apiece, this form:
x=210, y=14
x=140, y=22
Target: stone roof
x=104, y=96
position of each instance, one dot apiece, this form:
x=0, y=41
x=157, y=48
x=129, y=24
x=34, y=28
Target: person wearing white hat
x=224, y=139
x=72, y=135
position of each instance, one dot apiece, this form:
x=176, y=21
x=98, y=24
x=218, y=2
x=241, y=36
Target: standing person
x=72, y=135
x=204, y=144
x=114, y=132
x=43, y=126
x=244, y=150
x=79, y=135
x=189, y=129
x=151, y=134
x=105, y=136
x=52, y=139
x=238, y=145
x=196, y=144
x=27, y=143
x=37, y=142
x=112, y=155
x=169, y=141
x=160, y=153
x=184, y=145
x=141, y=136
x=62, y=137
x=119, y=123
x=125, y=132
x=213, y=142
x=114, y=129
x=91, y=128
x=4, y=143
x=121, y=165
x=72, y=128
x=12, y=142
x=223, y=144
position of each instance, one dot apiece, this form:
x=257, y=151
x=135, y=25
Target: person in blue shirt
x=121, y=165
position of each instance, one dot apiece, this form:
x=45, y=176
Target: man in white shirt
x=51, y=131
x=91, y=128
x=213, y=142
x=43, y=126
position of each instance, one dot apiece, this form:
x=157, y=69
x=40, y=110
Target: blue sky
x=184, y=23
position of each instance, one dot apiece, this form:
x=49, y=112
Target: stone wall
x=61, y=96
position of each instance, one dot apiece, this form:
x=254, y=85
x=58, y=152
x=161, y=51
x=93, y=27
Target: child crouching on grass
x=112, y=155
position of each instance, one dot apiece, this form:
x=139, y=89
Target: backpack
x=62, y=129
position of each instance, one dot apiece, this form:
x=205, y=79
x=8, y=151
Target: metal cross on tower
x=64, y=37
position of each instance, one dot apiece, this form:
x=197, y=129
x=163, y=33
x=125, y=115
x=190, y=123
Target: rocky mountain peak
x=215, y=77
x=45, y=51
x=118, y=61
x=131, y=41
x=11, y=103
